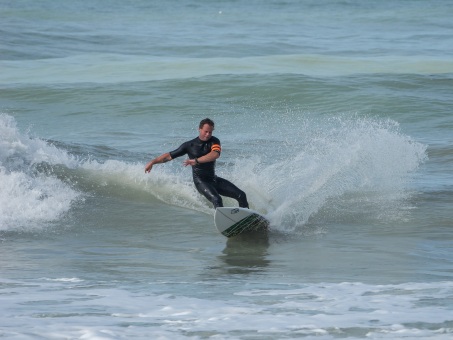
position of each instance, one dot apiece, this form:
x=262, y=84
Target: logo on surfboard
x=234, y=211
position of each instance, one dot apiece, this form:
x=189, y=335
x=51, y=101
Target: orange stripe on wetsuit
x=216, y=148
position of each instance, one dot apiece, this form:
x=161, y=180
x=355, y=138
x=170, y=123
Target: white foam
x=65, y=279
x=324, y=310
x=27, y=197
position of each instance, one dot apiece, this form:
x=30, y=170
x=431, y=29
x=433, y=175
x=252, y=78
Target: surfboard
x=232, y=221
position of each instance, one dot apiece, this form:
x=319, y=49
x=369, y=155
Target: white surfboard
x=231, y=221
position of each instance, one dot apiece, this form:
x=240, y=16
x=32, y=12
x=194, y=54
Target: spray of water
x=325, y=160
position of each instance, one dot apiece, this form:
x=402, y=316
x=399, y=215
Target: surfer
x=203, y=152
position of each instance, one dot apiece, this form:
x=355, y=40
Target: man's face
x=206, y=132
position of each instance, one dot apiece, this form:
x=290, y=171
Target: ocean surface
x=335, y=117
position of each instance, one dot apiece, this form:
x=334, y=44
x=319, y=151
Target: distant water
x=335, y=117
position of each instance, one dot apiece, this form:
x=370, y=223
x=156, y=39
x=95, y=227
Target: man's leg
x=208, y=190
x=228, y=189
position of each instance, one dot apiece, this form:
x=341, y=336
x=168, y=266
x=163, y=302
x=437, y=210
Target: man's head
x=205, y=129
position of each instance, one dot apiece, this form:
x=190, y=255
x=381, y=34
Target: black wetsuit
x=206, y=182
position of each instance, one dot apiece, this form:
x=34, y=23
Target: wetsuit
x=206, y=182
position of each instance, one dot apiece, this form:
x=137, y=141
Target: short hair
x=206, y=121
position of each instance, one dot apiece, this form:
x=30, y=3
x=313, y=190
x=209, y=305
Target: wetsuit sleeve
x=181, y=151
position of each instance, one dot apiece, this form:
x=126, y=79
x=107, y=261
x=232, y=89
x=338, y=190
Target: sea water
x=335, y=118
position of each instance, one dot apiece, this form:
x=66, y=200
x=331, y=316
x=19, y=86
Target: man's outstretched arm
x=164, y=158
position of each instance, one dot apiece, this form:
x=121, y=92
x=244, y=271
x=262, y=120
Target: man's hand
x=191, y=162
x=149, y=166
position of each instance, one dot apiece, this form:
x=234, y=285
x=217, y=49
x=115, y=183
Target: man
x=203, y=152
